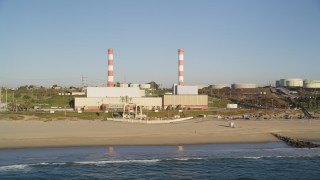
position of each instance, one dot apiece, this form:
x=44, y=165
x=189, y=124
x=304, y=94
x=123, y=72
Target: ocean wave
x=117, y=161
x=266, y=157
x=24, y=166
x=186, y=159
x=258, y=157
x=14, y=167
x=17, y=167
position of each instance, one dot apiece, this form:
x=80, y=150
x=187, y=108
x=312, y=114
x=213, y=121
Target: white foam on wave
x=14, y=167
x=257, y=157
x=25, y=166
x=117, y=161
x=186, y=159
x=260, y=157
x=48, y=164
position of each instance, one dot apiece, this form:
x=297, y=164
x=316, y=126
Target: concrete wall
x=186, y=101
x=148, y=101
x=113, y=92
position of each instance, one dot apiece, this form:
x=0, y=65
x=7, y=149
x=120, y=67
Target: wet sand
x=63, y=133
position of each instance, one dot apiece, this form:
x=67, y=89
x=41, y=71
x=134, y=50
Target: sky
x=47, y=42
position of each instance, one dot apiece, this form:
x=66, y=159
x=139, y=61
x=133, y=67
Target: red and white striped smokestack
x=110, y=67
x=180, y=66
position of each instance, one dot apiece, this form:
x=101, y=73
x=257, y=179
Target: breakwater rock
x=296, y=142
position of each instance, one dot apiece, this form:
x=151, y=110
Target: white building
x=184, y=90
x=113, y=92
x=99, y=103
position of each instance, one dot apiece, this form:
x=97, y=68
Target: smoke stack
x=110, y=67
x=180, y=66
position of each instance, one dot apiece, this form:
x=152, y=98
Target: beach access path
x=63, y=133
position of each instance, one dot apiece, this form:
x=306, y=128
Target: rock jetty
x=296, y=142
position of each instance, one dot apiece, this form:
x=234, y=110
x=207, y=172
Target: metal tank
x=282, y=82
x=219, y=86
x=294, y=82
x=311, y=84
x=242, y=86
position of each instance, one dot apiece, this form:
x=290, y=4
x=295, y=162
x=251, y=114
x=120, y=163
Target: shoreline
x=17, y=134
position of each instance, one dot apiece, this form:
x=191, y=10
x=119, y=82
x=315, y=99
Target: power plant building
x=103, y=103
x=111, y=97
x=183, y=90
x=114, y=92
x=186, y=101
x=145, y=86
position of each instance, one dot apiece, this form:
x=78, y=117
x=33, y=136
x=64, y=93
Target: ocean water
x=214, y=161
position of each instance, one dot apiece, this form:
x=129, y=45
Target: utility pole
x=13, y=99
x=0, y=97
x=6, y=98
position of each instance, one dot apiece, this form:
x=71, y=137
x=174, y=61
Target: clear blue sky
x=227, y=41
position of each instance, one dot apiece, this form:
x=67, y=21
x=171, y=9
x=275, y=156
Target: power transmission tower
x=84, y=83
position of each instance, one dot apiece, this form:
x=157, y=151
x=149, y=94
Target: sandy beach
x=62, y=133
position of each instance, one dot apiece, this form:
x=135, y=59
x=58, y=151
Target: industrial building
x=129, y=96
x=114, y=92
x=183, y=90
x=115, y=103
x=185, y=101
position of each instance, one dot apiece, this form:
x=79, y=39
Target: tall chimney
x=110, y=67
x=180, y=67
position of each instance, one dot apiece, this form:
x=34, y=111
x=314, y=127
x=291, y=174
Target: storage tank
x=294, y=82
x=311, y=84
x=219, y=86
x=242, y=86
x=282, y=82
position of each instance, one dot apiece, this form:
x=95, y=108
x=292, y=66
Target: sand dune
x=59, y=133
